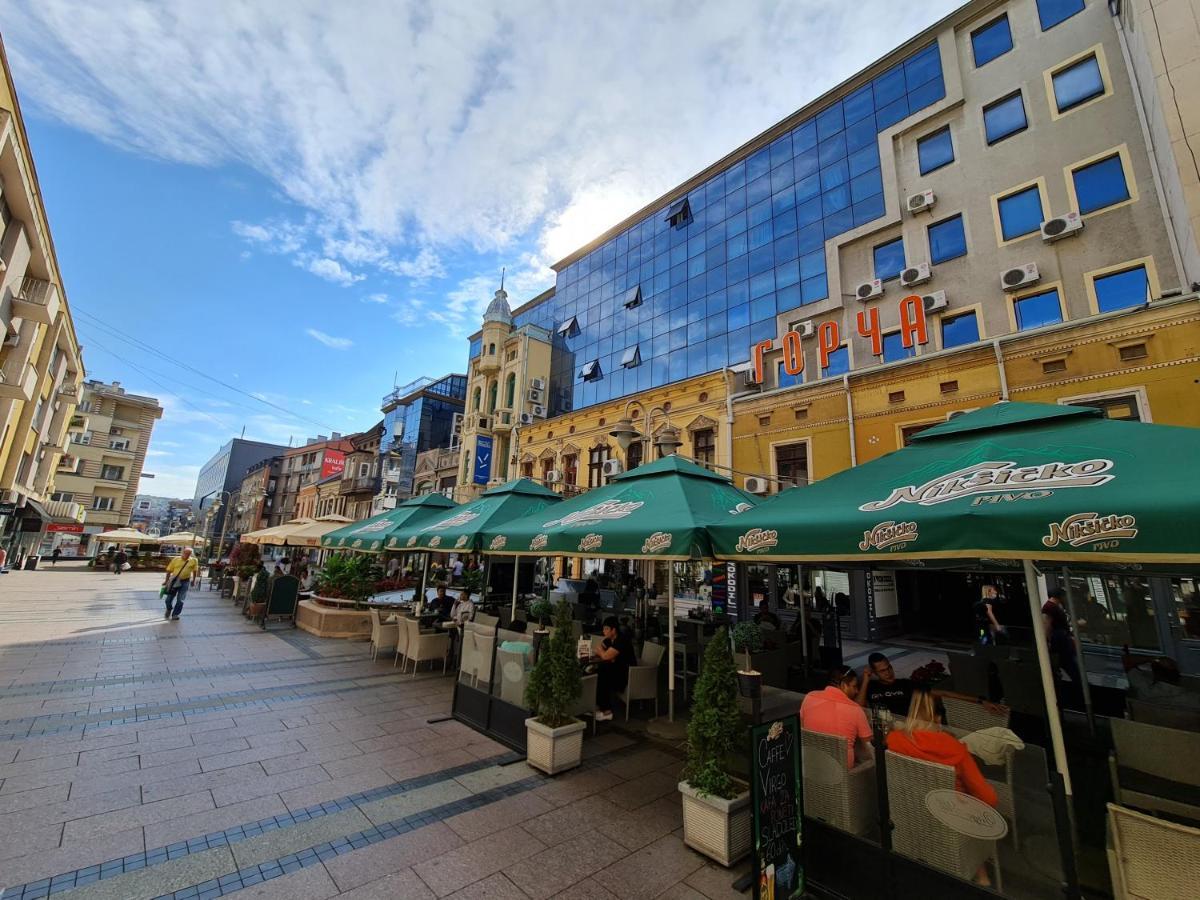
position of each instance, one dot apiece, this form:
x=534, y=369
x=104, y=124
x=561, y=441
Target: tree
x=716, y=725
x=555, y=682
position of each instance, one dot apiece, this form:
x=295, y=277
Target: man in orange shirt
x=835, y=711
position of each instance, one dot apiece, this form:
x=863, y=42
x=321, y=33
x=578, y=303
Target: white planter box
x=718, y=828
x=553, y=750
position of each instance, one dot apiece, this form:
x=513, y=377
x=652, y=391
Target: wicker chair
x=917, y=833
x=485, y=619
x=485, y=643
x=586, y=704
x=383, y=637
x=422, y=646
x=643, y=678
x=834, y=794
x=401, y=643
x=1154, y=768
x=967, y=716
x=1151, y=858
x=468, y=657
x=1161, y=714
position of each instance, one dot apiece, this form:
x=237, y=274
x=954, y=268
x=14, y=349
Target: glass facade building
x=420, y=417
x=693, y=285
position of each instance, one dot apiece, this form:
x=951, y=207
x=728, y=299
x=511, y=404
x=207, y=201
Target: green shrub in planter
x=715, y=728
x=555, y=681
x=541, y=610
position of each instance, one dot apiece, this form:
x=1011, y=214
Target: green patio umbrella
x=660, y=510
x=370, y=535
x=463, y=529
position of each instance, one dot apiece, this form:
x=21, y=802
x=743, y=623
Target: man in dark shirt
x=442, y=603
x=879, y=688
x=765, y=617
x=1061, y=641
x=614, y=658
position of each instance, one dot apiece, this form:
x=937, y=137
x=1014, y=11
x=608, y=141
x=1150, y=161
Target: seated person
x=614, y=657
x=1155, y=679
x=463, y=609
x=880, y=688
x=835, y=711
x=523, y=647
x=764, y=618
x=442, y=603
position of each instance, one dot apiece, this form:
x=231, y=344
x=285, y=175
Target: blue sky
x=308, y=200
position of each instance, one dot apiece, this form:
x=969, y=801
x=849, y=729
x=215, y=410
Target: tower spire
x=502, y=270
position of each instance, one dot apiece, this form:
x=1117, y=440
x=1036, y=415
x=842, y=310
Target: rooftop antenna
x=243, y=431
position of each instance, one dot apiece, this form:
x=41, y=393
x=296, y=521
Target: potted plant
x=541, y=610
x=747, y=637
x=554, y=738
x=716, y=807
x=260, y=590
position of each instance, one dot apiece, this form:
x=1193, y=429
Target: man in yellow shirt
x=177, y=580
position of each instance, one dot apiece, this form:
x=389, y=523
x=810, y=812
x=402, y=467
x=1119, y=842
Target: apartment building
x=316, y=460
x=360, y=481
x=160, y=515
x=437, y=470
x=40, y=363
x=418, y=416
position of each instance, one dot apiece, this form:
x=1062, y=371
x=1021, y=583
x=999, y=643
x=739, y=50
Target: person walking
x=119, y=560
x=54, y=557
x=177, y=581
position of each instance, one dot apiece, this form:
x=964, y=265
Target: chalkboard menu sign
x=775, y=799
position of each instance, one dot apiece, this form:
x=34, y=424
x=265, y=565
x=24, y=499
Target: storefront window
x=1115, y=611
x=1185, y=594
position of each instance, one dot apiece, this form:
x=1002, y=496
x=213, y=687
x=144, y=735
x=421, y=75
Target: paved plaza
x=199, y=758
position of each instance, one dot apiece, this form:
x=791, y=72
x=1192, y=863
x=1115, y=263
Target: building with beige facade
x=437, y=470
x=41, y=366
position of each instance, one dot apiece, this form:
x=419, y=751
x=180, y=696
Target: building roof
x=498, y=310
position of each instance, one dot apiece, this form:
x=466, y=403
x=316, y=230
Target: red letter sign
x=829, y=338
x=868, y=326
x=912, y=321
x=793, y=355
x=759, y=349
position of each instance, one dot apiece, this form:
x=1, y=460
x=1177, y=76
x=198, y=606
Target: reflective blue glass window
x=858, y=105
x=864, y=160
x=830, y=121
x=781, y=151
x=889, y=87
x=1004, y=118
x=1051, y=12
x=991, y=40
x=813, y=289
x=785, y=380
x=738, y=316
x=1100, y=184
x=1122, y=289
x=894, y=349
x=1077, y=83
x=1020, y=213
x=889, y=259
x=839, y=363
x=947, y=240
x=935, y=150
x=1037, y=310
x=963, y=329
x=922, y=68
x=892, y=113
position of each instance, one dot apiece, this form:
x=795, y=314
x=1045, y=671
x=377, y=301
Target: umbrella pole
x=1083, y=679
x=419, y=599
x=670, y=642
x=516, y=564
x=1043, y=653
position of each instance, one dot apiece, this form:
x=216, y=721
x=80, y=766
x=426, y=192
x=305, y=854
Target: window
x=935, y=150
x=889, y=259
x=67, y=497
x=1020, y=213
x=631, y=358
x=492, y=390
x=704, y=446
x=1004, y=118
x=785, y=380
x=364, y=469
x=679, y=214
x=894, y=349
x=1100, y=184
x=102, y=503
x=991, y=40
x=1077, y=83
x=526, y=470
x=476, y=398
x=1037, y=310
x=81, y=437
x=947, y=240
x=510, y=390
x=122, y=444
x=960, y=330
x=597, y=456
x=112, y=473
x=1122, y=406
x=591, y=371
x=1120, y=290
x=1051, y=12
x=633, y=297
x=908, y=432
x=791, y=465
x=569, y=328
x=634, y=455
x=570, y=468
x=839, y=363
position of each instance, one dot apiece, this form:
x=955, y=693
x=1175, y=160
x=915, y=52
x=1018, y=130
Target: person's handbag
x=125, y=567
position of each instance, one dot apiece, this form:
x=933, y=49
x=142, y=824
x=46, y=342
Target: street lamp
x=626, y=432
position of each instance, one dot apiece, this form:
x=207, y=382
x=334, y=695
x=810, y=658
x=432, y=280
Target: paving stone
x=44, y=864
x=312, y=883
x=716, y=882
x=651, y=870
x=143, y=815
x=391, y=856
x=403, y=885
x=497, y=816
x=172, y=875
x=389, y=809
x=567, y=821
x=495, y=887
x=282, y=841
x=643, y=789
x=452, y=871
x=177, y=829
x=553, y=871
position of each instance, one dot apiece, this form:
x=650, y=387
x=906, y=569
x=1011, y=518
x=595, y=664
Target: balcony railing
x=360, y=485
x=405, y=389
x=35, y=290
x=65, y=509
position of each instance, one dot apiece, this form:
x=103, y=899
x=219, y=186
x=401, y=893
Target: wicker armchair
x=1149, y=857
x=485, y=619
x=1161, y=714
x=485, y=643
x=643, y=678
x=422, y=647
x=1154, y=768
x=833, y=794
x=917, y=833
x=383, y=637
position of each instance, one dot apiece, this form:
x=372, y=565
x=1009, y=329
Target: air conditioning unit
x=483, y=423
x=612, y=468
x=537, y=384
x=917, y=274
x=1061, y=226
x=805, y=329
x=869, y=290
x=536, y=396
x=756, y=485
x=935, y=302
x=748, y=379
x=1021, y=276
x=539, y=411
x=921, y=202
x=526, y=418
x=12, y=339
x=553, y=477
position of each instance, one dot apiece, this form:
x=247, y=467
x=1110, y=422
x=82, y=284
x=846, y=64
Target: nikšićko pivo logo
x=889, y=535
x=999, y=477
x=757, y=539
x=591, y=542
x=606, y=511
x=539, y=541
x=657, y=542
x=1083, y=529
x=498, y=542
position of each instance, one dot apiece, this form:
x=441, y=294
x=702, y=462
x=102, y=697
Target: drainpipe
x=725, y=373
x=850, y=419
x=1000, y=369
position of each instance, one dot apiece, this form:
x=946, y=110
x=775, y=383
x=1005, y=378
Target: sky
x=268, y=213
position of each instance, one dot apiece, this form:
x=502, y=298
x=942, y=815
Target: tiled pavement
x=141, y=758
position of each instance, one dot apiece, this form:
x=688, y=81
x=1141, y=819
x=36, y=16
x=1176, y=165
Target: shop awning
x=276, y=534
x=371, y=535
x=182, y=539
x=125, y=536
x=660, y=510
x=1024, y=481
x=310, y=535
x=462, y=529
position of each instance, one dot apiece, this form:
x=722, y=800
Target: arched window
x=492, y=397
x=476, y=399
x=491, y=349
x=510, y=390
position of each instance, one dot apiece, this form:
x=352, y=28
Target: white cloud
x=409, y=131
x=375, y=298
x=335, y=343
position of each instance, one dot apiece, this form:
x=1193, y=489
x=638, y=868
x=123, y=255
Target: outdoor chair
x=1154, y=768
x=968, y=716
x=918, y=834
x=643, y=678
x=468, y=656
x=1151, y=858
x=226, y=586
x=485, y=619
x=401, y=642
x=214, y=578
x=1161, y=714
x=586, y=704
x=424, y=646
x=383, y=637
x=513, y=677
x=833, y=794
x=485, y=643
x=282, y=600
